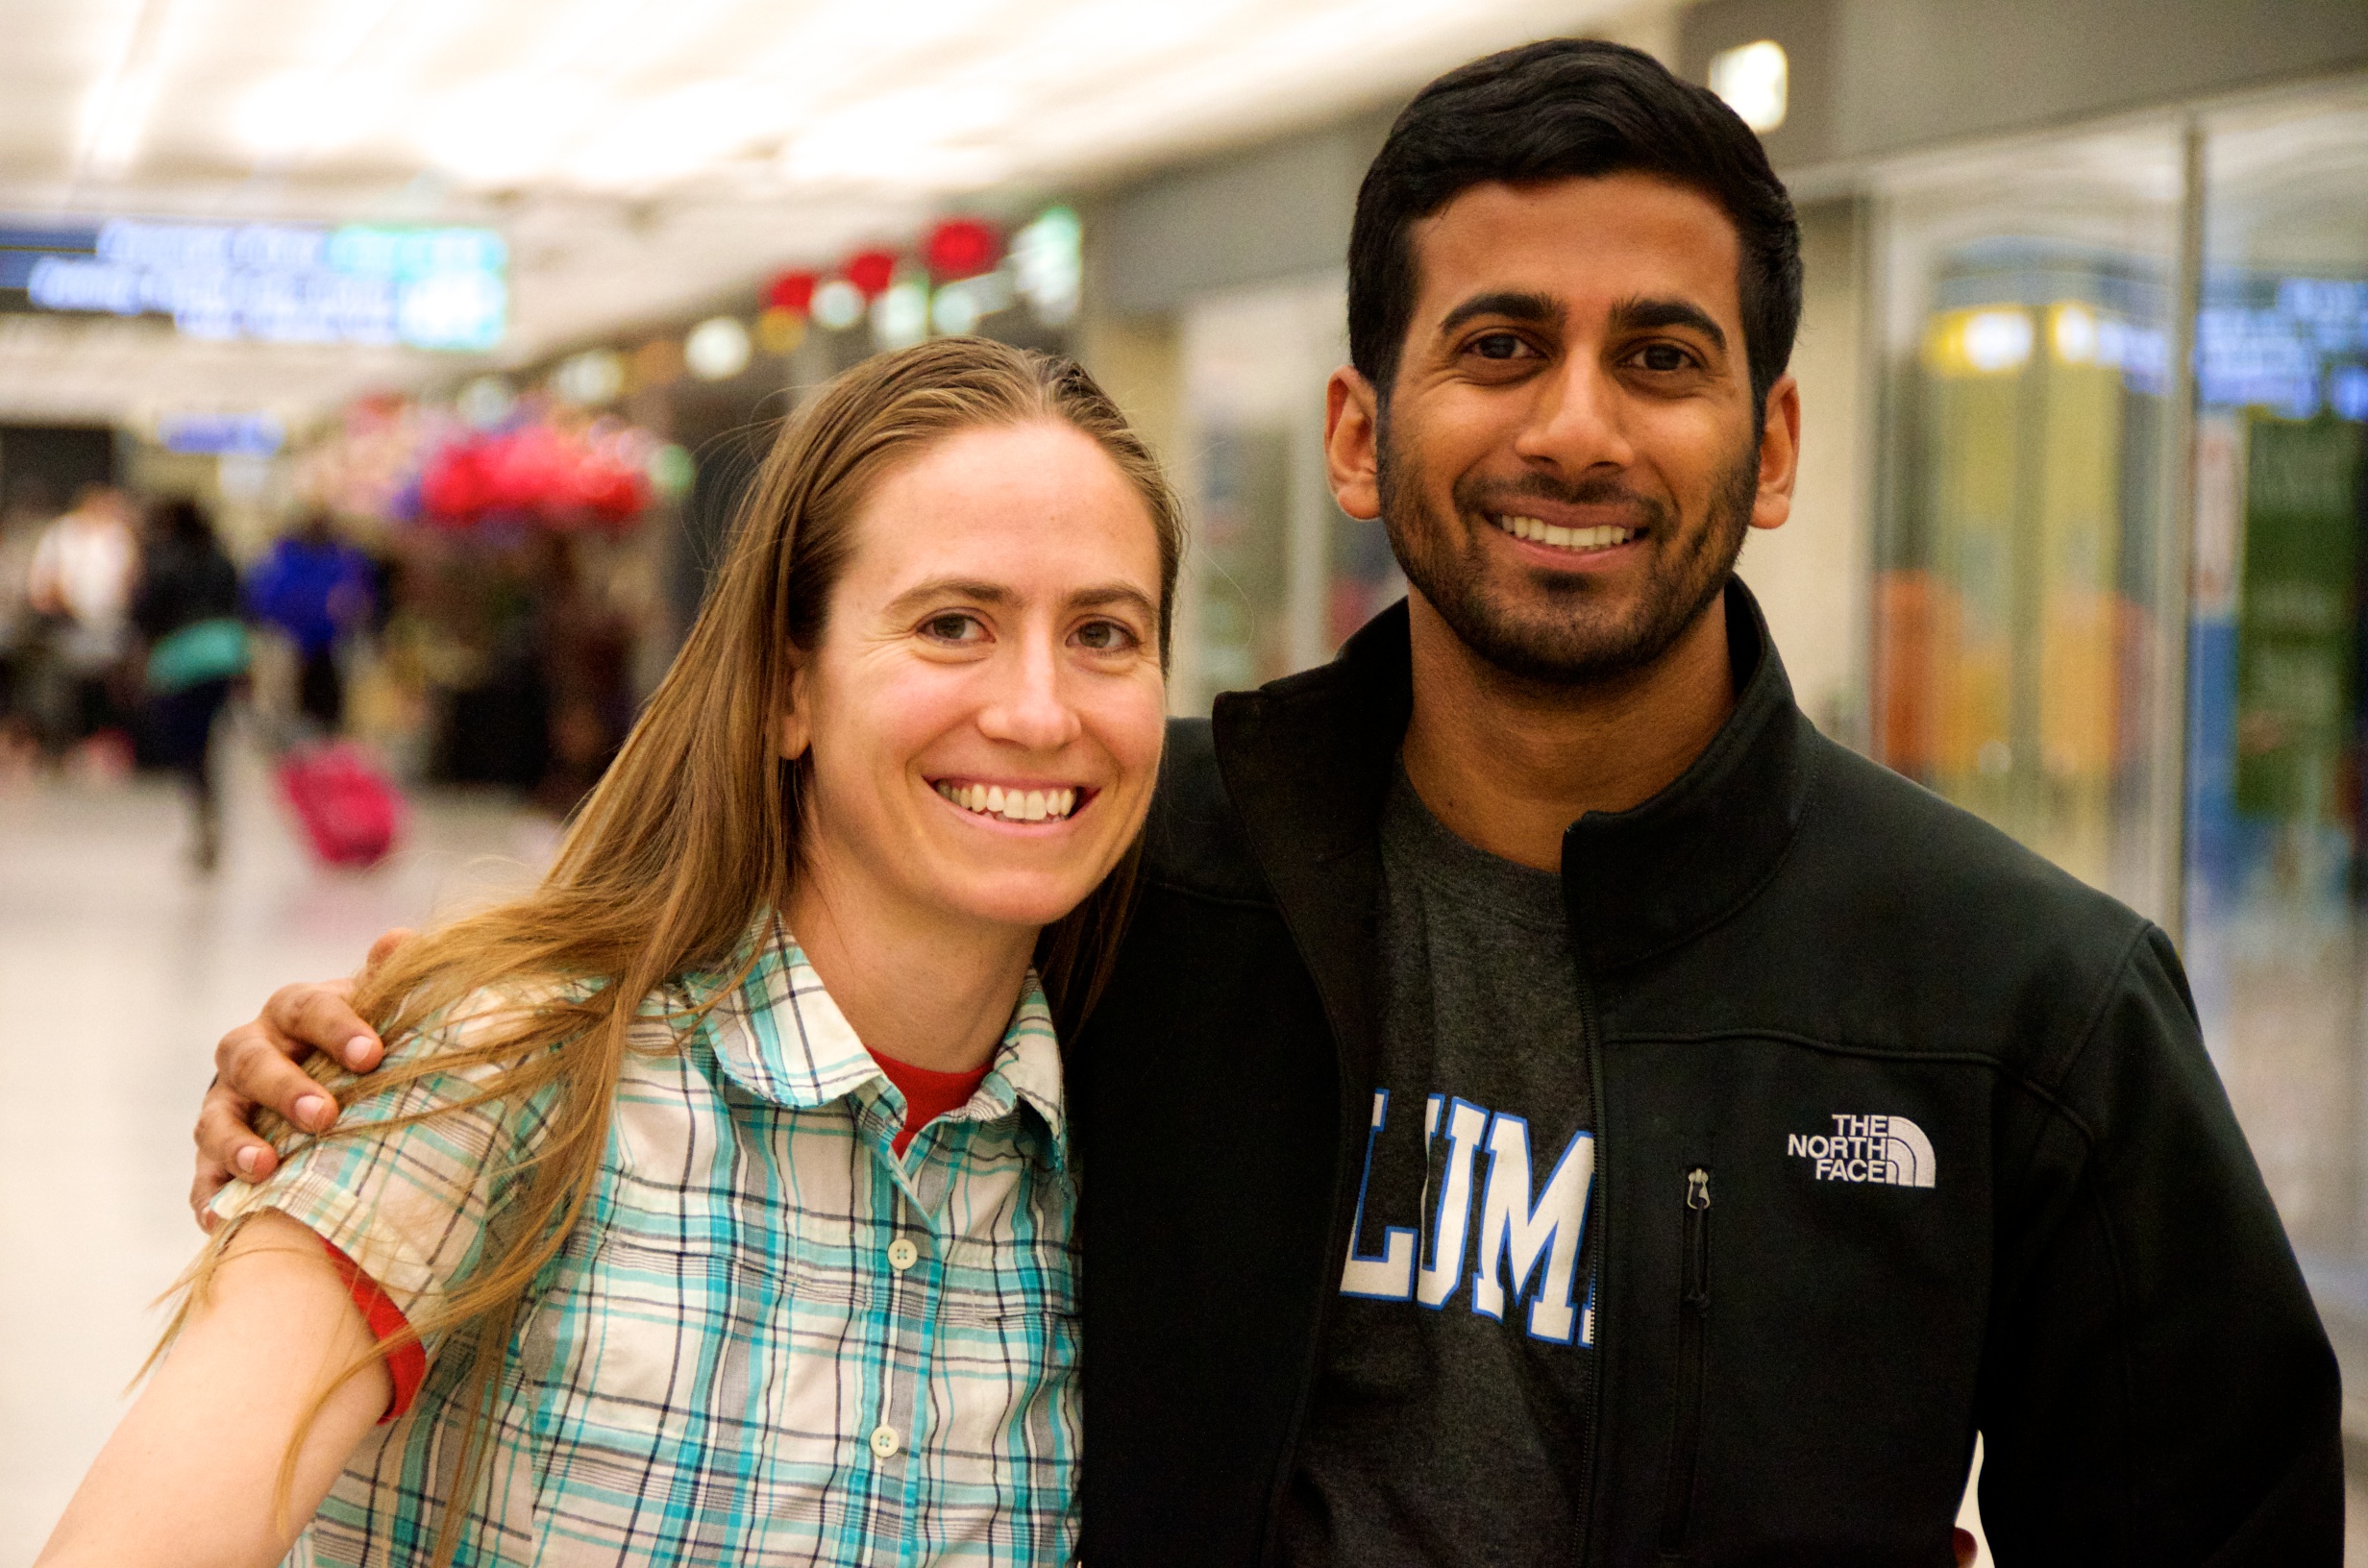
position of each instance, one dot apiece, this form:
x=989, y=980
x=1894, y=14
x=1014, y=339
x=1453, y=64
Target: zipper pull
x=1698, y=1188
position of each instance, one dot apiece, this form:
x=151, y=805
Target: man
x=1556, y=1107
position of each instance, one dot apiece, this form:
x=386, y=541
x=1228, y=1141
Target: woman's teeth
x=1546, y=534
x=1012, y=805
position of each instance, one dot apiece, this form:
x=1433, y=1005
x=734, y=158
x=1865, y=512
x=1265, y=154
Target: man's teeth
x=1012, y=805
x=1546, y=534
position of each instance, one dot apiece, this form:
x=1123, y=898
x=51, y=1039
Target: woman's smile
x=1016, y=803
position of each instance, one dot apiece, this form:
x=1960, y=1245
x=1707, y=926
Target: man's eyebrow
x=1513, y=304
x=1644, y=315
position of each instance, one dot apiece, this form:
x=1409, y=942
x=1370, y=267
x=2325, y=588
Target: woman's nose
x=1030, y=707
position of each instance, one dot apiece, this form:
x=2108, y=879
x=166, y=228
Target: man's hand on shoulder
x=259, y=1067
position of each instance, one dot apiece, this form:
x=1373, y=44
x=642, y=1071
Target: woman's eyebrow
x=1114, y=593
x=973, y=589
x=979, y=591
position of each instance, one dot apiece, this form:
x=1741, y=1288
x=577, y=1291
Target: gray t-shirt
x=1449, y=1417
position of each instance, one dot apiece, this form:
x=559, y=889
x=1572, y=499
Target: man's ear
x=1780, y=455
x=1352, y=443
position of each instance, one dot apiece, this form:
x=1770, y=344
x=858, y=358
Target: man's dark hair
x=1556, y=109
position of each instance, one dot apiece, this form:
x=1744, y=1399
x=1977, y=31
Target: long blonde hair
x=694, y=832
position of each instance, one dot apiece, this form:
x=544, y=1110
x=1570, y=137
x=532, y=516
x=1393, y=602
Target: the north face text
x=1890, y=1150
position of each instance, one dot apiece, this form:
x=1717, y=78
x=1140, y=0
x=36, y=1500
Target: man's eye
x=1106, y=637
x=1663, y=356
x=1497, y=346
x=953, y=629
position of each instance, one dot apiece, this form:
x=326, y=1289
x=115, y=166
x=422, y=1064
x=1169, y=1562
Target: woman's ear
x=796, y=733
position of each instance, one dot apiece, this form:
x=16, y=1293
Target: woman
x=723, y=1181
x=186, y=604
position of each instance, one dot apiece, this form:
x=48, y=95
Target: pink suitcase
x=351, y=811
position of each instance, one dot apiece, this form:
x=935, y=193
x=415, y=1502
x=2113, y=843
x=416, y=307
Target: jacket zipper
x=1694, y=1306
x=1590, y=1037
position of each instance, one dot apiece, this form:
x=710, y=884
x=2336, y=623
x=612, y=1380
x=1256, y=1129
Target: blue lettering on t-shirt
x=1530, y=1235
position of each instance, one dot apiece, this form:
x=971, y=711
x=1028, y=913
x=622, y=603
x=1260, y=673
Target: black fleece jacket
x=1902, y=1134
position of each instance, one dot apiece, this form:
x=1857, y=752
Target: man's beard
x=1582, y=636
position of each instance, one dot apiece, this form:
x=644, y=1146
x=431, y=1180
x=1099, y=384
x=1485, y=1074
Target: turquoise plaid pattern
x=726, y=1365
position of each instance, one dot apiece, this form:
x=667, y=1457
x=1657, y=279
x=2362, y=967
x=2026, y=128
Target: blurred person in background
x=317, y=590
x=80, y=582
x=713, y=1205
x=21, y=640
x=185, y=605
x=1553, y=1105
x=587, y=652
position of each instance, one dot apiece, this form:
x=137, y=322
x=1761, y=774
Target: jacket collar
x=1307, y=760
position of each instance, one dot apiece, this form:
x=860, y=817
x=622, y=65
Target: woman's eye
x=953, y=629
x=1106, y=637
x=1663, y=356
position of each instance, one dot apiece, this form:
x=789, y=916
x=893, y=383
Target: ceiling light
x=1997, y=340
x=2074, y=334
x=838, y=305
x=900, y=315
x=486, y=401
x=590, y=378
x=1047, y=261
x=1753, y=81
x=717, y=349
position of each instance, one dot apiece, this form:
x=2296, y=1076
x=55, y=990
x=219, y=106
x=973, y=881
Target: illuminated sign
x=221, y=435
x=274, y=282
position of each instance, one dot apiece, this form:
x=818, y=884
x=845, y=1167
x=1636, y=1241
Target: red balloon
x=792, y=291
x=961, y=248
x=871, y=272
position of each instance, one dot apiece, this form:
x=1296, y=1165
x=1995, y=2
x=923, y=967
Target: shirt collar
x=780, y=1036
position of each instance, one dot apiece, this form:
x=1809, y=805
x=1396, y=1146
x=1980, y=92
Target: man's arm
x=2158, y=1388
x=258, y=1066
x=192, y=1476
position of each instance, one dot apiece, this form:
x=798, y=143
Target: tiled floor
x=118, y=971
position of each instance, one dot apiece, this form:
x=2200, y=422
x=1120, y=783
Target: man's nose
x=1578, y=421
x=1031, y=708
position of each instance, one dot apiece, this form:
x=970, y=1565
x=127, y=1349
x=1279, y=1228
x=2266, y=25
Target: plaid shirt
x=770, y=1340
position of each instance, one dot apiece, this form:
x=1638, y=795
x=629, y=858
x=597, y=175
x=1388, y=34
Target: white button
x=885, y=1442
x=903, y=1254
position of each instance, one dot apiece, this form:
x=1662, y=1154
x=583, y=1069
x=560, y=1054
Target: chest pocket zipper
x=1694, y=1306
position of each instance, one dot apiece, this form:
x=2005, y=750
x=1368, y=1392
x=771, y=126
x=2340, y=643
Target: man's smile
x=1554, y=536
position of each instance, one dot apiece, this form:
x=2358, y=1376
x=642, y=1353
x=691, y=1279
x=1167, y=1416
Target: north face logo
x=1890, y=1150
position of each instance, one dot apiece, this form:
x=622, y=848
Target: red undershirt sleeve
x=407, y=1363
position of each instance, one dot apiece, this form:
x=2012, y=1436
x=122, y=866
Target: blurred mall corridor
x=118, y=971
x=411, y=363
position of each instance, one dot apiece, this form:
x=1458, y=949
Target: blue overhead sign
x=274, y=282
x=221, y=435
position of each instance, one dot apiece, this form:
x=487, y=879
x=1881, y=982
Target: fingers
x=253, y=1060
x=226, y=1147
x=317, y=1017
x=385, y=947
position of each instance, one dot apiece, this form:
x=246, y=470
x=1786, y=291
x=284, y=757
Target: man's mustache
x=1494, y=496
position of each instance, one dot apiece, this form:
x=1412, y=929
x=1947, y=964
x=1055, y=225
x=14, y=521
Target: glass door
x=2024, y=551
x=2275, y=875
